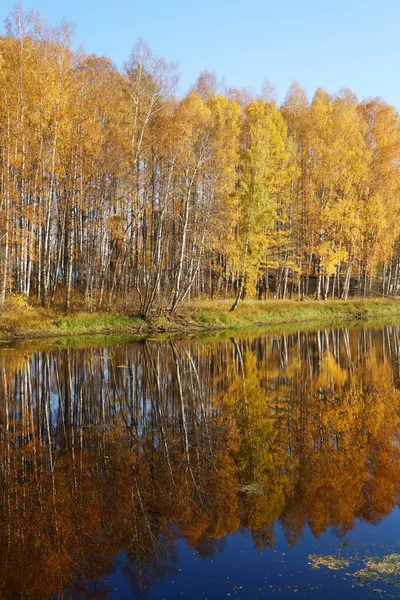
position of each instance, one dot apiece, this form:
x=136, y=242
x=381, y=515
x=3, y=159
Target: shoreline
x=26, y=323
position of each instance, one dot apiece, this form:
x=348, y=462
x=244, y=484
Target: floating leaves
x=386, y=570
x=331, y=562
x=251, y=488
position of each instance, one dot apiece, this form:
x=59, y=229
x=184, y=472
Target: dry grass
x=18, y=320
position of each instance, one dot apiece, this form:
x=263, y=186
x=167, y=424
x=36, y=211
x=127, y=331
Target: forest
x=115, y=188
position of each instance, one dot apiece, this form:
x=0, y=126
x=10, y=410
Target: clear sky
x=327, y=43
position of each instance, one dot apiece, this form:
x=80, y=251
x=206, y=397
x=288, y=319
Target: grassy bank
x=21, y=322
x=290, y=311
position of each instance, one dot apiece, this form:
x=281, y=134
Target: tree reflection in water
x=127, y=448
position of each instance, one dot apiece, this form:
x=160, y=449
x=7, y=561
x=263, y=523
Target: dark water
x=245, y=468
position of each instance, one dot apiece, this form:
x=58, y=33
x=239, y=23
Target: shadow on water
x=122, y=451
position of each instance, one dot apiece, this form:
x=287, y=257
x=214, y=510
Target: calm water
x=245, y=468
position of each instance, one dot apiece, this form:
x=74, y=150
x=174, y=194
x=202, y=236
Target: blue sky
x=327, y=43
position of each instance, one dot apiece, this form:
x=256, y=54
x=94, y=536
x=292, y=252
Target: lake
x=246, y=467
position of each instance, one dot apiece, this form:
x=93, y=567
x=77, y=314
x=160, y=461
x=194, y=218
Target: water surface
x=244, y=468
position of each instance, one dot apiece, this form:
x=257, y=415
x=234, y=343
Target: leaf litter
x=331, y=562
x=385, y=569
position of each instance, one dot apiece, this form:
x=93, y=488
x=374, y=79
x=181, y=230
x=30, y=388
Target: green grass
x=82, y=323
x=18, y=321
x=250, y=313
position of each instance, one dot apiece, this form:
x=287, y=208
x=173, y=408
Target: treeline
x=112, y=187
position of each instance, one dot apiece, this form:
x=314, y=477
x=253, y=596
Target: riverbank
x=19, y=322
